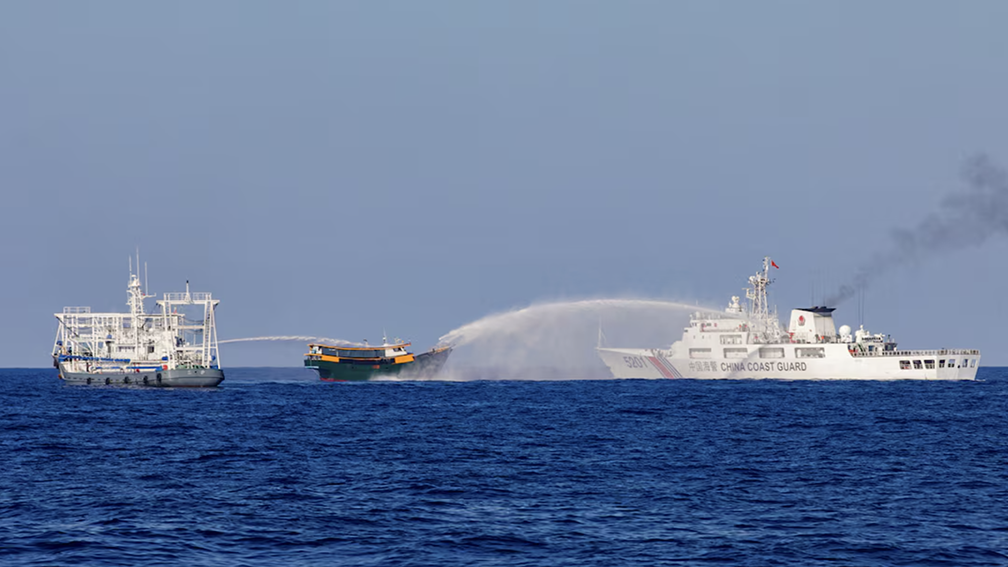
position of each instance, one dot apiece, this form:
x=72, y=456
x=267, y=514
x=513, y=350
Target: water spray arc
x=537, y=314
x=299, y=338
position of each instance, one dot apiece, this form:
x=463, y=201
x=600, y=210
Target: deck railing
x=940, y=352
x=193, y=296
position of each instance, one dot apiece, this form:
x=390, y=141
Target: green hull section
x=423, y=366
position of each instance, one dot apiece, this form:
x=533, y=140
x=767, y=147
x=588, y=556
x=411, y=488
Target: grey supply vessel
x=174, y=346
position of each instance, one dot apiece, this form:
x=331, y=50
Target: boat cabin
x=370, y=352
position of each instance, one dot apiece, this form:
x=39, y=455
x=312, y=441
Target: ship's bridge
x=812, y=325
x=368, y=352
x=711, y=329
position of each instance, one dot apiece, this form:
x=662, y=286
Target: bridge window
x=814, y=352
x=951, y=363
x=929, y=364
x=918, y=365
x=345, y=353
x=904, y=365
x=941, y=363
x=731, y=339
x=973, y=363
x=770, y=352
x=699, y=353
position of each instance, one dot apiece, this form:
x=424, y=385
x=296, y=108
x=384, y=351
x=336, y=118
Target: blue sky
x=335, y=168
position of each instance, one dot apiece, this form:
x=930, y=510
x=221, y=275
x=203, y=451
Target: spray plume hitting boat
x=360, y=363
x=176, y=347
x=750, y=343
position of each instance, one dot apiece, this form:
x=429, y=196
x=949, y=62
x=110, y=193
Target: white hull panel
x=837, y=364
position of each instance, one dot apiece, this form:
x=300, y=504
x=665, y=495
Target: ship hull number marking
x=634, y=362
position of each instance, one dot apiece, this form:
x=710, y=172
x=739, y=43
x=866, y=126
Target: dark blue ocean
x=276, y=468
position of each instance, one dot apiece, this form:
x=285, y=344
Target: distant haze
x=358, y=169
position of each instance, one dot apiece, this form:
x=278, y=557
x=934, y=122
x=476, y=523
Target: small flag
x=774, y=264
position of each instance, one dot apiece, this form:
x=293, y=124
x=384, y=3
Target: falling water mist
x=557, y=340
x=553, y=340
x=966, y=218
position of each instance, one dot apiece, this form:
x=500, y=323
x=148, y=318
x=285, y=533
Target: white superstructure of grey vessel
x=174, y=346
x=749, y=342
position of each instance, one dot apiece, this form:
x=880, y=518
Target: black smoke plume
x=966, y=218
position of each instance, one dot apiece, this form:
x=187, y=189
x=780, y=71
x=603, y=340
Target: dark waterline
x=275, y=467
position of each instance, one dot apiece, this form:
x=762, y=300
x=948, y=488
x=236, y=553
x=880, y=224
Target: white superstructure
x=749, y=342
x=175, y=345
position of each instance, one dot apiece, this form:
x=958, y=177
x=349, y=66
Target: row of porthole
x=126, y=380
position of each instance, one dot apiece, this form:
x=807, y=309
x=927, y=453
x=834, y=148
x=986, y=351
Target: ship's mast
x=135, y=297
x=759, y=307
x=757, y=292
x=191, y=341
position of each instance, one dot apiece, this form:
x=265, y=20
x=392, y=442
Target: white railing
x=941, y=352
x=76, y=309
x=180, y=296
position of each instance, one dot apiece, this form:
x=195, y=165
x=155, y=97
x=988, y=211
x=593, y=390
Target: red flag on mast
x=774, y=264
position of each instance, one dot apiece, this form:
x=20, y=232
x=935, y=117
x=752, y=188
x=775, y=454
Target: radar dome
x=845, y=330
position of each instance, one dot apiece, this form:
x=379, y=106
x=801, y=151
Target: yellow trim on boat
x=402, y=359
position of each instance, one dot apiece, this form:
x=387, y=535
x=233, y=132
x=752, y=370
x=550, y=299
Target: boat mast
x=756, y=293
x=192, y=341
x=138, y=317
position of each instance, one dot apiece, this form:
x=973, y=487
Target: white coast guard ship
x=750, y=343
x=175, y=347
